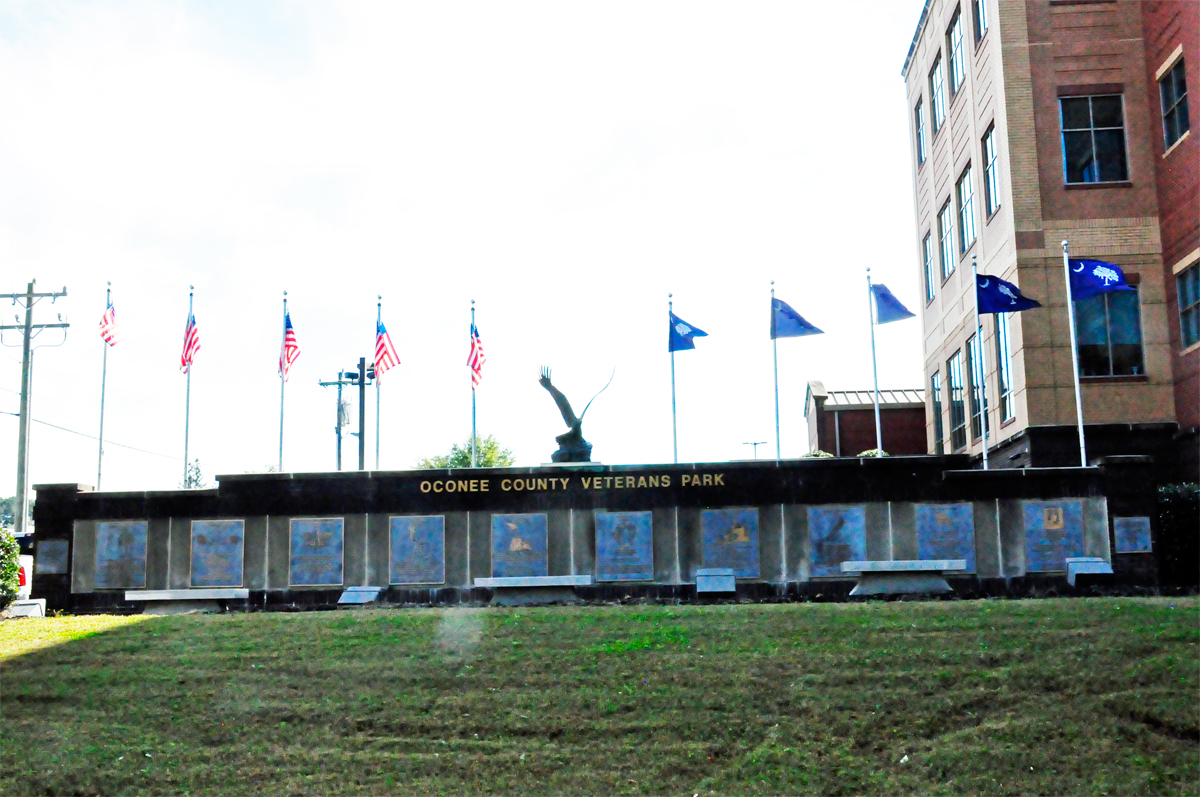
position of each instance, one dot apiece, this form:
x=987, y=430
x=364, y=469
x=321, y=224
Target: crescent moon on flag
x=985, y=283
x=1078, y=270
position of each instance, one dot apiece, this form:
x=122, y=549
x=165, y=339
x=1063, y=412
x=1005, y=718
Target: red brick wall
x=903, y=431
x=1167, y=25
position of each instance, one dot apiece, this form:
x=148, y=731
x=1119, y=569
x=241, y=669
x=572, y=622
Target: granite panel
x=218, y=548
x=1132, y=534
x=1053, y=532
x=51, y=556
x=418, y=550
x=121, y=554
x=731, y=540
x=316, y=552
x=946, y=531
x=519, y=545
x=624, y=546
x=836, y=534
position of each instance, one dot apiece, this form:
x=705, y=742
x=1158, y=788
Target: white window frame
x=946, y=240
x=956, y=59
x=964, y=194
x=991, y=176
x=937, y=95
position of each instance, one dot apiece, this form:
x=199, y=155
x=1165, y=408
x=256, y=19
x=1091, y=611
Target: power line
x=91, y=436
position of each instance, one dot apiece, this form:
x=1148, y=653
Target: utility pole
x=29, y=299
x=362, y=376
x=343, y=379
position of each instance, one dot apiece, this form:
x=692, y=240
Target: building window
x=958, y=415
x=966, y=211
x=1188, y=284
x=1173, y=89
x=935, y=394
x=919, y=122
x=1004, y=367
x=927, y=260
x=991, y=180
x=946, y=241
x=1109, y=330
x=954, y=46
x=1094, y=139
x=979, y=14
x=978, y=394
x=937, y=95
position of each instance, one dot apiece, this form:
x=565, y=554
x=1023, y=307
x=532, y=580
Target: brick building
x=842, y=422
x=1034, y=122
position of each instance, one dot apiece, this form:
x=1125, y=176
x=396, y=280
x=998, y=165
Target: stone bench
x=532, y=590
x=903, y=577
x=715, y=579
x=1087, y=565
x=184, y=601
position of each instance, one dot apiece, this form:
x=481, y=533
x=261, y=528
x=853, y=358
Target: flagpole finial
x=1064, y=244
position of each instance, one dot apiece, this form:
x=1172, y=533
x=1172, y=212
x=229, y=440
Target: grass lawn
x=1097, y=696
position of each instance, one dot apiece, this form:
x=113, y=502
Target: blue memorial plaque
x=1053, y=532
x=121, y=555
x=51, y=556
x=316, y=552
x=836, y=534
x=418, y=550
x=946, y=531
x=731, y=540
x=518, y=545
x=217, y=547
x=1132, y=534
x=624, y=546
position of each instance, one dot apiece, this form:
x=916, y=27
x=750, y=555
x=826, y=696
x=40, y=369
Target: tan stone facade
x=1033, y=53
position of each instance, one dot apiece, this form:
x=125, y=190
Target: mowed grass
x=1097, y=696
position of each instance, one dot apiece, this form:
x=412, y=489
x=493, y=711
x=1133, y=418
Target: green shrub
x=10, y=565
x=1179, y=534
x=818, y=454
x=870, y=452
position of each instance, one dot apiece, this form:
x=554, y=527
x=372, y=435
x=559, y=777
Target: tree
x=194, y=479
x=489, y=454
x=8, y=508
x=10, y=564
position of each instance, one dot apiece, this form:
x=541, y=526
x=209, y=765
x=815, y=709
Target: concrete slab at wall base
x=182, y=607
x=900, y=583
x=533, y=596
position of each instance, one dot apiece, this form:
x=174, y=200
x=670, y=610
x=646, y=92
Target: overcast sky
x=565, y=165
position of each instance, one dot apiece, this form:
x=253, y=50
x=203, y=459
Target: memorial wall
x=780, y=526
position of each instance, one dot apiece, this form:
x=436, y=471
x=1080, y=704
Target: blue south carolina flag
x=787, y=323
x=1092, y=277
x=682, y=334
x=887, y=307
x=997, y=296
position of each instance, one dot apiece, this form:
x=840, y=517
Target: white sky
x=566, y=165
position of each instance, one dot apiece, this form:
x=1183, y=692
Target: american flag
x=476, y=358
x=385, y=352
x=290, y=350
x=108, y=326
x=191, y=344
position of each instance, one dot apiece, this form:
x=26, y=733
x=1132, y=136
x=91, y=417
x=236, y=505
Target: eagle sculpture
x=571, y=445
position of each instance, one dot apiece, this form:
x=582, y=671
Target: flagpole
x=674, y=424
x=187, y=403
x=775, y=357
x=378, y=321
x=982, y=362
x=874, y=367
x=1074, y=355
x=103, y=379
x=282, y=380
x=474, y=457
